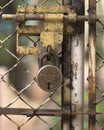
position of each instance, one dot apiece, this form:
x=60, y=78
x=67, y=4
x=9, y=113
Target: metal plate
x=52, y=33
x=49, y=78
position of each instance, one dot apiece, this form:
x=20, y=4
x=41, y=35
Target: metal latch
x=51, y=33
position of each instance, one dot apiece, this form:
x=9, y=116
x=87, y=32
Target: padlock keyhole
x=49, y=78
x=49, y=85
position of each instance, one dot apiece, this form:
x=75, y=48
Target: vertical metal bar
x=77, y=69
x=73, y=69
x=77, y=63
x=66, y=59
x=66, y=82
x=77, y=91
x=92, y=64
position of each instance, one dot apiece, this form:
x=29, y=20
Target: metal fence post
x=73, y=70
x=92, y=64
x=77, y=91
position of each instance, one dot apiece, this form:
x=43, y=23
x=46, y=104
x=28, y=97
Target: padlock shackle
x=49, y=56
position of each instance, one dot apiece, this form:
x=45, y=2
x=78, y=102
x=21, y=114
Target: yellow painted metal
x=52, y=33
x=28, y=9
x=43, y=9
x=30, y=30
x=53, y=9
x=27, y=50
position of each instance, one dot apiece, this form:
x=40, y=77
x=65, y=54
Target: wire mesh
x=100, y=66
x=17, y=75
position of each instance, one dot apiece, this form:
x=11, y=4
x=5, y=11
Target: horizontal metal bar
x=39, y=112
x=36, y=30
x=30, y=112
x=29, y=16
x=30, y=30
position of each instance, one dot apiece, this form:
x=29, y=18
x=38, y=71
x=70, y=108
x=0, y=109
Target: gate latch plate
x=52, y=33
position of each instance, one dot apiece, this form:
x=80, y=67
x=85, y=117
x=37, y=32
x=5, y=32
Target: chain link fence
x=18, y=88
x=100, y=66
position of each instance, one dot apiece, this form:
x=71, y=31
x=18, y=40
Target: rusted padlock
x=49, y=76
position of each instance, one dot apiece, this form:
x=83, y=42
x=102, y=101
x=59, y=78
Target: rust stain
x=92, y=65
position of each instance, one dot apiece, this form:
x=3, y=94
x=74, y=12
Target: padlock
x=49, y=78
